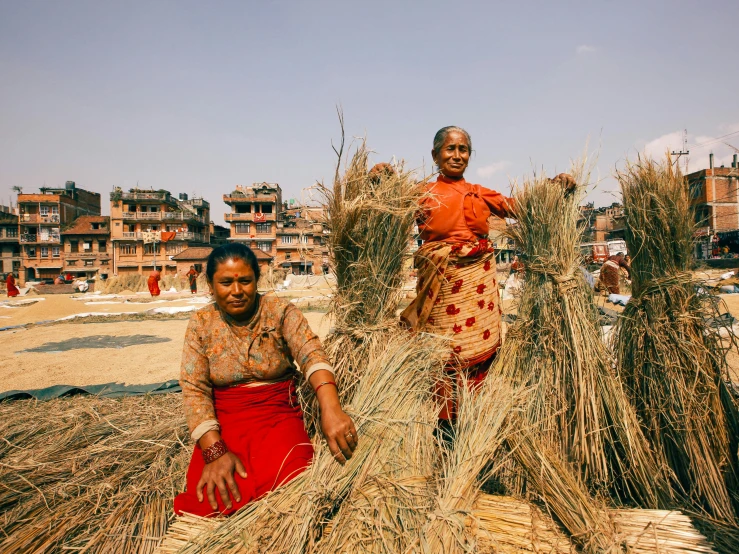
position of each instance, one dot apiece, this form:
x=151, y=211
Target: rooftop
x=83, y=225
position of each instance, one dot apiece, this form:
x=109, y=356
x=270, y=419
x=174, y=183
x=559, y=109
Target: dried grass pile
x=577, y=405
x=672, y=361
x=370, y=219
x=135, y=283
x=390, y=409
x=88, y=474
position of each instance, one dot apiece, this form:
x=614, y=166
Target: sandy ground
x=133, y=352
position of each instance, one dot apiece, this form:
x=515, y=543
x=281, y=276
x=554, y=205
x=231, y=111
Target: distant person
x=238, y=375
x=192, y=276
x=610, y=273
x=10, y=285
x=516, y=265
x=153, y=282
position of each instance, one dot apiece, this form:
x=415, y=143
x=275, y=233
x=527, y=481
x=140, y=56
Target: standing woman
x=238, y=385
x=153, y=282
x=10, y=285
x=192, y=276
x=457, y=290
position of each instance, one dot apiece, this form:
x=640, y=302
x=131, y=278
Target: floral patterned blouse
x=222, y=352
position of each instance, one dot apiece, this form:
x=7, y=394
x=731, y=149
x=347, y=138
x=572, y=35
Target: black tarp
x=108, y=390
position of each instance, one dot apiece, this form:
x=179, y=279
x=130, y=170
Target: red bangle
x=214, y=451
x=325, y=383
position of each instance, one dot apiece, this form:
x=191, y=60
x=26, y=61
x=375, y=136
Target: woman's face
x=235, y=289
x=453, y=156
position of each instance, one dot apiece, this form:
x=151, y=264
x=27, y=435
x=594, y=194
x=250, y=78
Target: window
x=44, y=210
x=55, y=210
x=264, y=228
x=54, y=251
x=242, y=228
x=74, y=246
x=87, y=246
x=149, y=248
x=11, y=232
x=103, y=262
x=44, y=251
x=266, y=208
x=16, y=266
x=287, y=255
x=303, y=239
x=89, y=263
x=95, y=225
x=128, y=248
x=287, y=239
x=102, y=246
x=264, y=246
x=71, y=262
x=172, y=248
x=243, y=209
x=31, y=251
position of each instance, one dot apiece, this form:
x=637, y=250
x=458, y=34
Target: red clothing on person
x=153, y=283
x=458, y=211
x=10, y=285
x=263, y=425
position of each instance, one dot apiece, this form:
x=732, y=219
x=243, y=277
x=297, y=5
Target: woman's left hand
x=339, y=431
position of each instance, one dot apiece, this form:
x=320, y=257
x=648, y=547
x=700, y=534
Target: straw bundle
x=395, y=389
x=90, y=474
x=483, y=424
x=577, y=404
x=672, y=361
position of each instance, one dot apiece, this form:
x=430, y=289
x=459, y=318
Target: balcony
x=37, y=218
x=186, y=235
x=197, y=202
x=249, y=198
x=40, y=239
x=141, y=196
x=87, y=255
x=163, y=216
x=248, y=217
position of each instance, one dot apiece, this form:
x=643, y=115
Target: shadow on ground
x=97, y=341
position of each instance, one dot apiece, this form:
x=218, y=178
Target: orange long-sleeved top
x=458, y=211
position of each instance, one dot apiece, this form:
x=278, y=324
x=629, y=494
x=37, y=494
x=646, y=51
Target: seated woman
x=237, y=377
x=457, y=290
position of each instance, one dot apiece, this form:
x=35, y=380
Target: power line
x=714, y=140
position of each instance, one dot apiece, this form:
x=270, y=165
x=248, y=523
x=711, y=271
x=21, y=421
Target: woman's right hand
x=219, y=474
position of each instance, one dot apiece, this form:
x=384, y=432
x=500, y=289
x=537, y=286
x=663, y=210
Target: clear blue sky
x=197, y=97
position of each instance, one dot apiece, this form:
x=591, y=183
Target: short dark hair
x=231, y=251
x=442, y=133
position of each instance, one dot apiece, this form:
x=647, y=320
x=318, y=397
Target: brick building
x=178, y=222
x=714, y=195
x=602, y=224
x=293, y=236
x=86, y=247
x=10, y=251
x=41, y=218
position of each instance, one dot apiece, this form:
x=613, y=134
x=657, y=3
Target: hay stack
x=370, y=219
x=89, y=474
x=394, y=390
x=577, y=405
x=672, y=361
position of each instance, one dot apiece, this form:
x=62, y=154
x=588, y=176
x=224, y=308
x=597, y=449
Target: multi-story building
x=219, y=234
x=10, y=251
x=602, y=224
x=293, y=237
x=254, y=213
x=176, y=222
x=714, y=196
x=86, y=247
x=41, y=218
x=301, y=241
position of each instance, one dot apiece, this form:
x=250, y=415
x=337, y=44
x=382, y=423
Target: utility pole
x=684, y=152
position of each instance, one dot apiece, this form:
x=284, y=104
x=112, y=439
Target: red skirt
x=264, y=427
x=153, y=284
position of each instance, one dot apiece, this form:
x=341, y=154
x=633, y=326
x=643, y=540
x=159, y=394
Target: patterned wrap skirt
x=457, y=296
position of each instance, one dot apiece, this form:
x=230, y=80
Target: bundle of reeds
x=483, y=424
x=671, y=359
x=90, y=474
x=577, y=404
x=369, y=218
x=394, y=390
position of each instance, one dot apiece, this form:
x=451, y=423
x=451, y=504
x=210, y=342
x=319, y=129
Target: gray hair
x=442, y=133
